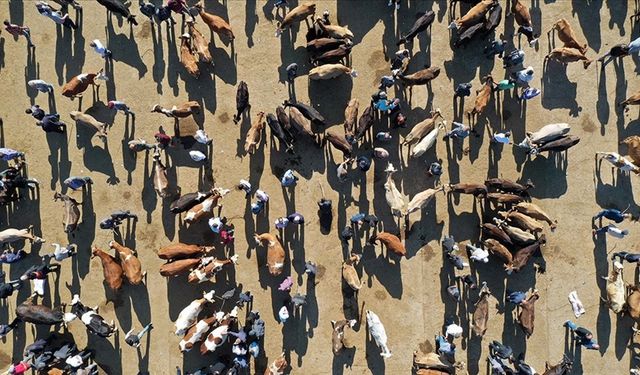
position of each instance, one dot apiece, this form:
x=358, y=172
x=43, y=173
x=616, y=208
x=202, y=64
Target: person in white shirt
x=453, y=330
x=612, y=230
x=525, y=76
x=100, y=49
x=55, y=15
x=502, y=138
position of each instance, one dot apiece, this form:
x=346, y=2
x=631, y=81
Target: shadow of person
x=557, y=90
x=125, y=48
x=31, y=71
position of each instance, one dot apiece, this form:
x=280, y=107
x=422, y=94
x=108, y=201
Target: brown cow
x=482, y=97
x=497, y=249
x=196, y=333
x=473, y=16
x=254, y=135
x=532, y=210
x=200, y=43
x=337, y=336
x=78, y=84
x=205, y=208
x=178, y=267
x=180, y=250
x=477, y=190
x=215, y=23
x=633, y=148
x=421, y=77
x=566, y=55
x=392, y=242
x=209, y=267
x=567, y=36
x=522, y=257
x=351, y=119
x=527, y=315
x=481, y=312
x=188, y=56
x=278, y=366
x=422, y=128
x=111, y=269
x=178, y=111
x=275, y=252
x=340, y=142
x=160, y=179
x=130, y=263
x=632, y=100
x=295, y=15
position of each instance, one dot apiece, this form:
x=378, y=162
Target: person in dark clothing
x=629, y=257
x=36, y=112
x=616, y=52
x=6, y=328
x=612, y=214
x=52, y=123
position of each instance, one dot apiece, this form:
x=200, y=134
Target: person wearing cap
x=100, y=49
x=132, y=339
x=525, y=76
x=120, y=106
x=582, y=335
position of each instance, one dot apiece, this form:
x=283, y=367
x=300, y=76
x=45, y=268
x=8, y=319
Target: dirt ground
x=409, y=294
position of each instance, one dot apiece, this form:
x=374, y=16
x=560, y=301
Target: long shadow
x=107, y=356
x=602, y=104
x=173, y=66
x=588, y=13
x=125, y=48
x=129, y=158
x=618, y=14
x=31, y=71
x=251, y=20
x=16, y=11
x=159, y=65
x=550, y=171
x=557, y=90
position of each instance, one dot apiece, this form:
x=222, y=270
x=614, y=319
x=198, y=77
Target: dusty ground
x=408, y=295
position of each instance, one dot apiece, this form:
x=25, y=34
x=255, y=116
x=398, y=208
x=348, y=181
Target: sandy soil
x=408, y=295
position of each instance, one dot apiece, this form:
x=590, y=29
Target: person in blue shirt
x=612, y=214
x=582, y=335
x=75, y=182
x=288, y=179
x=516, y=297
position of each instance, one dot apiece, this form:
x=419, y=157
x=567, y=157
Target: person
x=133, y=339
x=634, y=46
x=75, y=182
x=78, y=359
x=501, y=138
x=35, y=111
x=612, y=230
x=12, y=256
x=292, y=72
x=17, y=30
x=163, y=139
x=529, y=93
x=625, y=255
x=8, y=154
x=245, y=186
x=583, y=335
x=120, y=106
x=180, y=7
x=55, y=15
x=516, y=297
x=496, y=47
x=612, y=214
x=363, y=163
x=496, y=348
x=19, y=368
x=453, y=330
x=61, y=253
x=396, y=2
x=525, y=76
x=384, y=136
x=400, y=62
x=469, y=280
x=41, y=85
x=288, y=179
x=216, y=224
x=462, y=90
x=296, y=218
x=310, y=268
x=505, y=84
x=444, y=347
x=281, y=223
x=386, y=82
x=51, y=123
x=38, y=273
x=280, y=3
x=100, y=49
x=459, y=131
x=6, y=328
x=435, y=169
x=532, y=37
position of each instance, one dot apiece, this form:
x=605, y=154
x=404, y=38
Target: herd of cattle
x=513, y=234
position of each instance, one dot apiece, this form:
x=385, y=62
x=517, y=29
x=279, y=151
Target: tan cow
x=188, y=56
x=215, y=23
x=130, y=263
x=566, y=55
x=567, y=36
x=482, y=97
x=275, y=252
x=254, y=135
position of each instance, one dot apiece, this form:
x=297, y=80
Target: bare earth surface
x=408, y=295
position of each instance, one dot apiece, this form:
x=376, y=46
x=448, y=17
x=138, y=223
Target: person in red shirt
x=17, y=30
x=20, y=368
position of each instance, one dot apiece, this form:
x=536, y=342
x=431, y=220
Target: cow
x=330, y=71
x=160, y=179
x=632, y=100
x=616, y=289
x=215, y=23
x=254, y=135
x=633, y=148
x=205, y=208
x=89, y=121
x=181, y=251
x=527, y=315
x=275, y=252
x=473, y=15
x=188, y=56
x=29, y=312
x=79, y=84
x=420, y=200
x=567, y=36
x=178, y=267
x=209, y=267
x=189, y=314
x=95, y=323
x=532, y=210
x=200, y=43
x=196, y=333
x=337, y=336
x=421, y=24
x=566, y=55
x=351, y=119
x=349, y=273
x=482, y=97
x=183, y=110
x=71, y=213
x=422, y=128
x=117, y=7
x=396, y=200
x=334, y=31
x=378, y=333
x=130, y=263
x=295, y=15
x=242, y=101
x=111, y=268
x=391, y=241
x=481, y=312
x=477, y=190
x=12, y=235
x=619, y=161
x=218, y=336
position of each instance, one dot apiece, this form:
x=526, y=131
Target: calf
x=567, y=36
x=481, y=312
x=330, y=71
x=242, y=101
x=349, y=273
x=277, y=367
x=295, y=15
x=619, y=161
x=477, y=190
x=130, y=263
x=196, y=333
x=188, y=56
x=79, y=84
x=522, y=221
x=215, y=23
x=392, y=242
x=422, y=128
x=497, y=249
x=482, y=97
x=180, y=111
x=275, y=252
x=200, y=43
x=421, y=24
x=337, y=336
x=160, y=178
x=340, y=142
x=351, y=119
x=254, y=135
x=566, y=55
x=205, y=208
x=89, y=121
x=396, y=200
x=632, y=100
x=95, y=323
x=364, y=123
x=421, y=77
x=532, y=210
x=527, y=315
x=633, y=148
x=28, y=312
x=189, y=314
x=218, y=336
x=111, y=269
x=378, y=333
x=307, y=111
x=12, y=235
x=473, y=16
x=117, y=7
x=178, y=267
x=209, y=267
x=180, y=251
x=616, y=289
x=71, y=213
